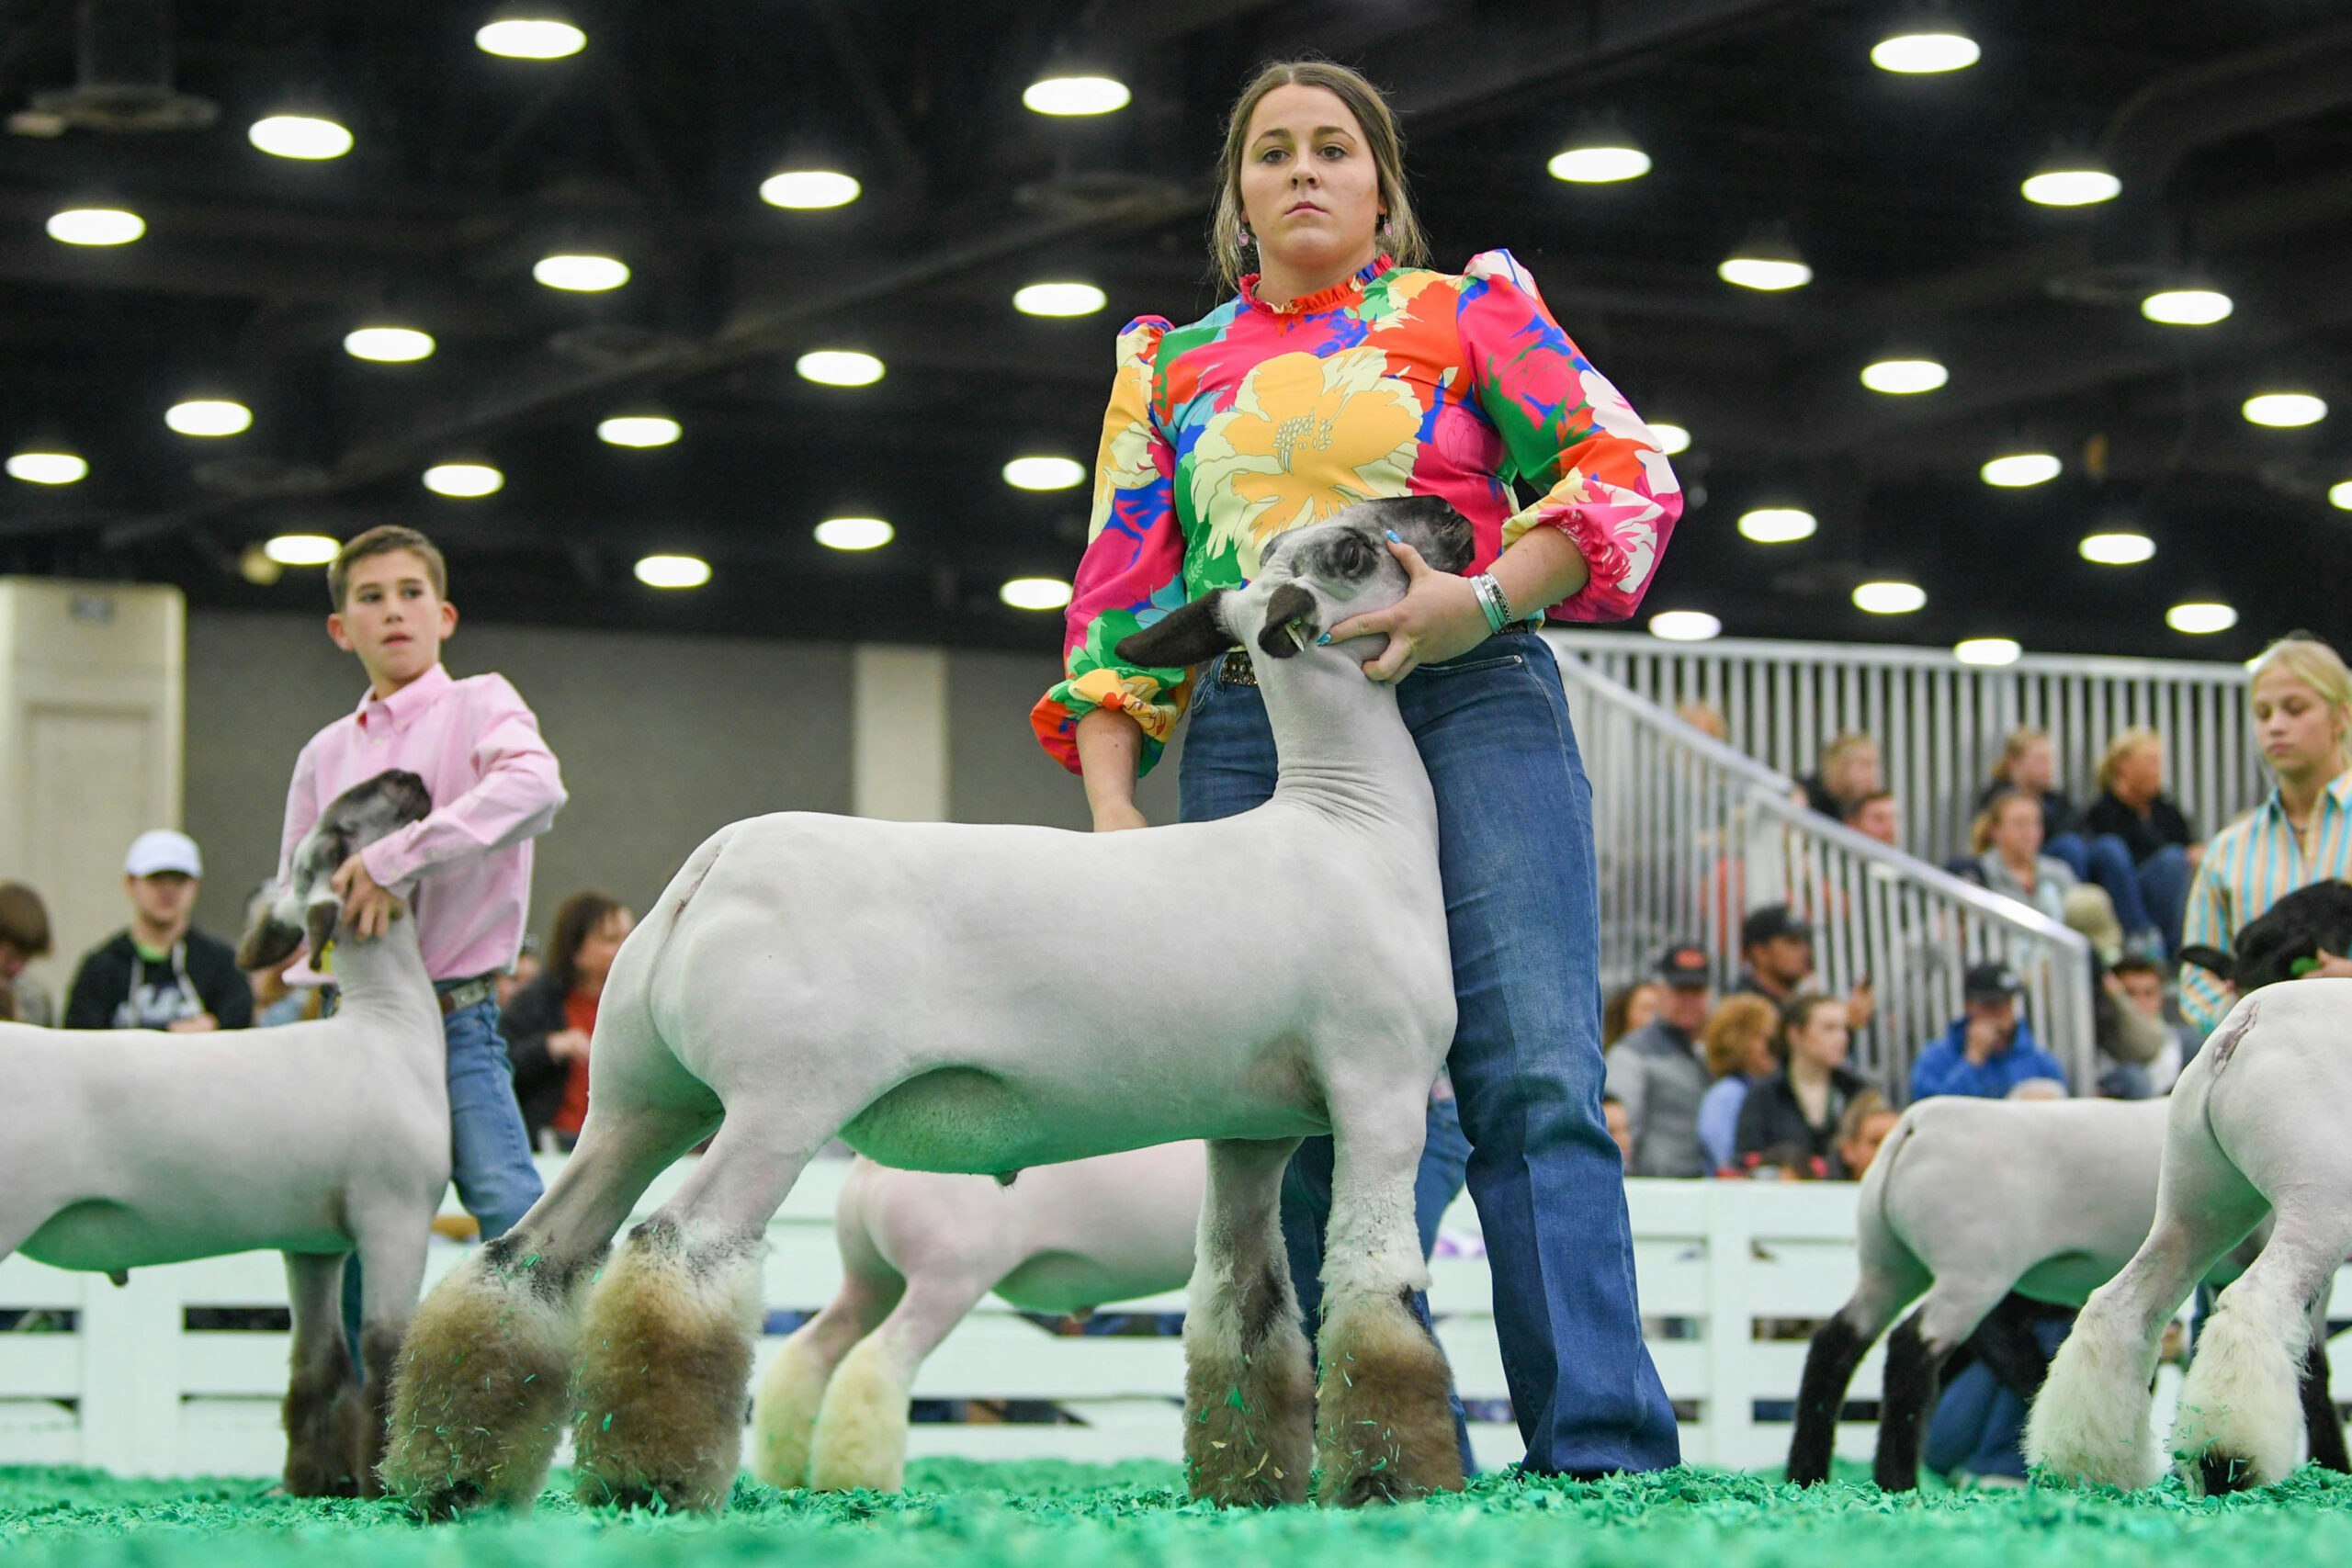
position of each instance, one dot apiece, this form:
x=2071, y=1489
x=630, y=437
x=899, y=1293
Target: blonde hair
x=1400, y=239
x=1980, y=832
x=2015, y=746
x=2321, y=669
x=2122, y=746
x=1724, y=1040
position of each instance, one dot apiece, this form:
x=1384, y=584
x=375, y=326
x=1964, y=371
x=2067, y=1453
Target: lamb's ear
x=321, y=917
x=1432, y=526
x=1288, y=603
x=2212, y=958
x=1189, y=634
x=268, y=941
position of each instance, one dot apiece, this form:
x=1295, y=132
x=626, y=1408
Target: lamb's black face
x=366, y=812
x=1330, y=571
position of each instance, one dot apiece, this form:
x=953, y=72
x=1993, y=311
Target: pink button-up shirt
x=495, y=788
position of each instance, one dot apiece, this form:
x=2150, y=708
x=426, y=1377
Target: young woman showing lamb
x=131, y=1148
x=904, y=986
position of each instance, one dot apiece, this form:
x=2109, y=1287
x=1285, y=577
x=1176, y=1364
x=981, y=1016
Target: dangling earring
x=1384, y=225
x=1248, y=239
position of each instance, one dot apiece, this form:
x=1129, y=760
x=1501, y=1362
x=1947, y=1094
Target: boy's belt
x=456, y=996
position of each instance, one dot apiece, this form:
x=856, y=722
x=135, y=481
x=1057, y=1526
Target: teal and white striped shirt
x=2250, y=866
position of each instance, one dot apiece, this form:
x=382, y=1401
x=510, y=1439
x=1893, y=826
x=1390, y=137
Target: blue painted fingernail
x=1320, y=641
x=1393, y=538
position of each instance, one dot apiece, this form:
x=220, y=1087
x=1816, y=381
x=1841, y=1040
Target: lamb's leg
x=861, y=1433
x=392, y=1249
x=1915, y=1356
x=480, y=1391
x=1383, y=1431
x=2325, y=1431
x=791, y=1390
x=1891, y=1278
x=2006, y=1343
x=669, y=1326
x=1249, y=1377
x=325, y=1440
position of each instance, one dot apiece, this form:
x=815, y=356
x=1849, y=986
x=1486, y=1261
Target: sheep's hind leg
x=1383, y=1428
x=2324, y=1428
x=860, y=1440
x=325, y=1439
x=1248, y=1378
x=791, y=1391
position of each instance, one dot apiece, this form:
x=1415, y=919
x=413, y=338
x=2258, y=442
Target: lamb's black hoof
x=443, y=1504
x=2219, y=1472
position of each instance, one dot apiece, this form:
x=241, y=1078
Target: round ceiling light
x=2072, y=182
x=301, y=549
x=1076, y=94
x=855, y=532
x=95, y=226
x=312, y=138
x=1988, y=650
x=467, y=482
x=2285, y=411
x=387, y=346
x=1776, y=524
x=1685, y=626
x=519, y=37
x=209, y=416
x=1925, y=51
x=1671, y=438
x=2201, y=617
x=1889, y=598
x=1058, y=299
x=809, y=190
x=1043, y=473
x=581, y=272
x=673, y=571
x=2339, y=494
x=1901, y=378
x=2016, y=471
x=2120, y=548
x=48, y=465
x=639, y=430
x=1768, y=268
x=2187, y=307
x=1035, y=593
x=1600, y=158
x=838, y=367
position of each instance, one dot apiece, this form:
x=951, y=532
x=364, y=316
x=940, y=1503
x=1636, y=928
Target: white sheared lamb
x=2255, y=1128
x=1975, y=1202
x=919, y=1251
x=910, y=987
x=130, y=1148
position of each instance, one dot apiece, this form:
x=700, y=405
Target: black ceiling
x=2231, y=126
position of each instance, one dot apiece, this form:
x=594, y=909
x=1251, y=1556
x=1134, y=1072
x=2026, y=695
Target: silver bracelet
x=1492, y=601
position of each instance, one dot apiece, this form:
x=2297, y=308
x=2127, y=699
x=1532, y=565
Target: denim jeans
x=1522, y=918
x=2105, y=862
x=2165, y=879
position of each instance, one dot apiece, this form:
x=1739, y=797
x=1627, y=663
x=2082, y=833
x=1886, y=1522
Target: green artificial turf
x=964, y=1515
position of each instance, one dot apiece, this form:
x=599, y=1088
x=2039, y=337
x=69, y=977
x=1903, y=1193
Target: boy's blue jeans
x=489, y=1155
x=1524, y=918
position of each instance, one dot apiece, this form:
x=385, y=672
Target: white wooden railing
x=131, y=1391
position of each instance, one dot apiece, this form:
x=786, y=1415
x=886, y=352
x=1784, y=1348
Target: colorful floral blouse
x=1399, y=381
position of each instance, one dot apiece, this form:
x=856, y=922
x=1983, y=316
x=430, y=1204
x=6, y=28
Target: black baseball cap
x=1989, y=983
x=1684, y=966
x=1771, y=920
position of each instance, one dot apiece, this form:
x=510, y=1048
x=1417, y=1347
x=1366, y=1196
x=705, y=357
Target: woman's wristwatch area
x=1492, y=600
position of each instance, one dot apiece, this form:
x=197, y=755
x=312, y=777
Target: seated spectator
x=2037, y=1089
x=1803, y=1105
x=1704, y=718
x=2007, y=845
x=1876, y=816
x=24, y=936
x=1849, y=770
x=555, y=1017
x=1621, y=1127
x=2141, y=985
x=1776, y=949
x=1784, y=1162
x=1656, y=1073
x=1860, y=1132
x=1631, y=1006
x=1737, y=1045
x=2133, y=807
x=1989, y=1050
x=2128, y=1042
x=160, y=973
x=2029, y=765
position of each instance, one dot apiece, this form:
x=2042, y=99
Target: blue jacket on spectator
x=1944, y=1067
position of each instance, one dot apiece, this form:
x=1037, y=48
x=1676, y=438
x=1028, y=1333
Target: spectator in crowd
x=2132, y=808
x=276, y=1002
x=1737, y=1046
x=160, y=973
x=1860, y=1132
x=1621, y=1127
x=1876, y=816
x=24, y=936
x=1849, y=770
x=1989, y=1050
x=526, y=969
x=1776, y=949
x=2006, y=841
x=2301, y=708
x=1656, y=1073
x=2129, y=1043
x=555, y=1016
x=2029, y=765
x=1704, y=718
x=2037, y=1089
x=1627, y=1010
x=1803, y=1105
x=2141, y=985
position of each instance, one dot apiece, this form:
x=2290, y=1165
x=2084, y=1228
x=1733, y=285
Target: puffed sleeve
x=1132, y=572
x=1605, y=480
x=2208, y=922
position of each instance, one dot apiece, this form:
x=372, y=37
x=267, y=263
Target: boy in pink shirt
x=495, y=788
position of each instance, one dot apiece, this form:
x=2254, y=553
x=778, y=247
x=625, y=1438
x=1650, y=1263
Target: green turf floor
x=958, y=1515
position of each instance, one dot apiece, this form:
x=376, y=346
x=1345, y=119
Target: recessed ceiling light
x=1035, y=593
x=1043, y=473
x=639, y=430
x=2120, y=548
x=2018, y=470
x=208, y=417
x=1685, y=626
x=309, y=136
x=1991, y=650
x=1769, y=264
x=2072, y=182
x=95, y=226
x=807, y=190
x=838, y=367
x=1902, y=376
x=855, y=532
x=2339, y=494
x=464, y=480
x=1925, y=51
x=519, y=37
x=42, y=465
x=1058, y=299
x=301, y=549
x=2286, y=410
x=2201, y=617
x=1889, y=598
x=1671, y=438
x=387, y=346
x=673, y=571
x=1600, y=158
x=1776, y=524
x=1076, y=94
x=579, y=272
x=2187, y=307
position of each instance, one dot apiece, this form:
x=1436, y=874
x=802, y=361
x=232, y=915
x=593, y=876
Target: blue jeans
x=2106, y=863
x=1522, y=918
x=2164, y=878
x=489, y=1155
x=1979, y=1423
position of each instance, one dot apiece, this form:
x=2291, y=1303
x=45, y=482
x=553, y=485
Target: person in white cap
x=160, y=973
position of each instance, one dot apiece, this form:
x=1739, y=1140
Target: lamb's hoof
x=439, y=1505
x=666, y=1495
x=2216, y=1475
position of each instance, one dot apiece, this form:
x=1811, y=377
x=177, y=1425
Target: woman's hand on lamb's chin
x=1115, y=817
x=1438, y=618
